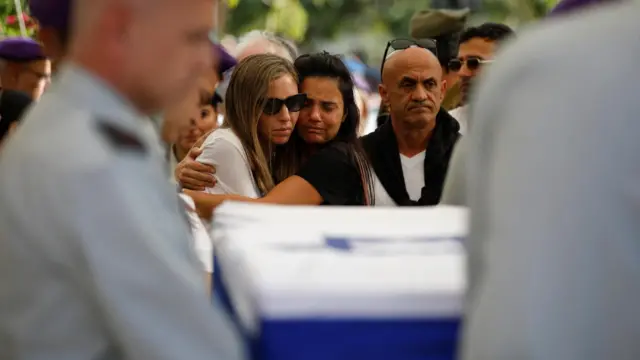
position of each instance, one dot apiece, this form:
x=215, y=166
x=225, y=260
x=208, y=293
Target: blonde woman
x=262, y=105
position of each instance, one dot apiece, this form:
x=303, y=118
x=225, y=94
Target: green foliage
x=303, y=20
x=8, y=10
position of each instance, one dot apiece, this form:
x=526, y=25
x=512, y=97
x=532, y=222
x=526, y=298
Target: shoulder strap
x=119, y=139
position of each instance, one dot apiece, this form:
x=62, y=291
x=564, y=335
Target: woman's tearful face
x=323, y=113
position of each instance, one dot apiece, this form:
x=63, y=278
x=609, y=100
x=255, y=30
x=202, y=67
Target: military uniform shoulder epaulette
x=121, y=140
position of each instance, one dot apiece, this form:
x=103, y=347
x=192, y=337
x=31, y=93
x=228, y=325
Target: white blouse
x=223, y=150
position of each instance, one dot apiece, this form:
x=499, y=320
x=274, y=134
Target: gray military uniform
x=455, y=184
x=554, y=192
x=95, y=259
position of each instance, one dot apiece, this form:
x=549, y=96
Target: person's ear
x=384, y=94
x=443, y=89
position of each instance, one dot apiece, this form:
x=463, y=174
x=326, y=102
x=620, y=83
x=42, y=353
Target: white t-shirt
x=413, y=173
x=223, y=150
x=202, y=245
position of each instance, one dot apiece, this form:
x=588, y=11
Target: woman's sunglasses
x=473, y=63
x=402, y=44
x=293, y=103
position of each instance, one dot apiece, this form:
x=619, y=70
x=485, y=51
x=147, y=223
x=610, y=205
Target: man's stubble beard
x=419, y=124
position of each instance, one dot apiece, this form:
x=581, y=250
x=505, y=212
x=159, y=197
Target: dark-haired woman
x=323, y=163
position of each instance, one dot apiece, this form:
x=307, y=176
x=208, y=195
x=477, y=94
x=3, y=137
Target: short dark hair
x=216, y=99
x=488, y=31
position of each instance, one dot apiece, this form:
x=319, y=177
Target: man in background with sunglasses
x=410, y=152
x=478, y=46
x=445, y=27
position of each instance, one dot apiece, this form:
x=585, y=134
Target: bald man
x=95, y=258
x=410, y=153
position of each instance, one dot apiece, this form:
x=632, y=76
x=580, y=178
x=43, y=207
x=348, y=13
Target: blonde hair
x=245, y=100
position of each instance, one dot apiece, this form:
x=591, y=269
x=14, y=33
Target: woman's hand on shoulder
x=193, y=175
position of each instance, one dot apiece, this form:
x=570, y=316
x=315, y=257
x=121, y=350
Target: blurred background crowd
x=260, y=110
x=353, y=28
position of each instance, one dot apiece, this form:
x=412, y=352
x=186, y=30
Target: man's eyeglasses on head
x=473, y=63
x=402, y=44
x=293, y=103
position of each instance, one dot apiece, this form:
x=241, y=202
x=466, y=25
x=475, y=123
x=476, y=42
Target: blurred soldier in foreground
x=95, y=257
x=553, y=190
x=53, y=27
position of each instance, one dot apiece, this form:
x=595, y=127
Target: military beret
x=51, y=13
x=566, y=6
x=435, y=23
x=225, y=60
x=21, y=49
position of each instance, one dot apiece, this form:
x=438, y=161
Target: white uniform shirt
x=199, y=231
x=202, y=243
x=554, y=193
x=455, y=185
x=461, y=114
x=223, y=150
x=95, y=260
x=172, y=163
x=413, y=173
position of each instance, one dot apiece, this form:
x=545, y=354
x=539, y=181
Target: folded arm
x=329, y=176
x=292, y=191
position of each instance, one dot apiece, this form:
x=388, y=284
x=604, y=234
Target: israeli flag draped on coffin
x=342, y=283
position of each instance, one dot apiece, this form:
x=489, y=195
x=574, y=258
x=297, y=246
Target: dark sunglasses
x=473, y=63
x=402, y=44
x=293, y=103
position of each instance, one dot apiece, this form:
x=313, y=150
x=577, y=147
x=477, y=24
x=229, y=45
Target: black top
x=334, y=173
x=12, y=106
x=382, y=148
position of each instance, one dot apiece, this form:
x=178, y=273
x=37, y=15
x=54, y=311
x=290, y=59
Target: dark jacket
x=13, y=104
x=381, y=147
